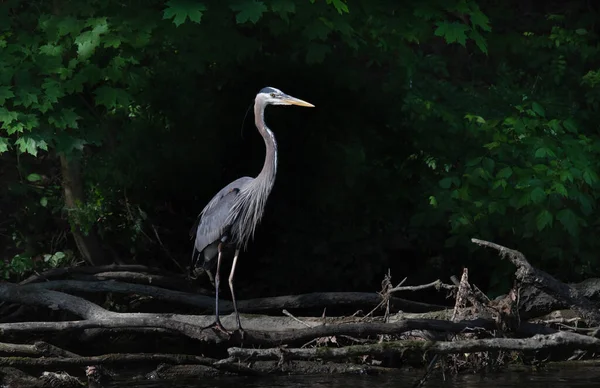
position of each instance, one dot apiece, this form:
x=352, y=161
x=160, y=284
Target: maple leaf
x=51, y=50
x=5, y=94
x=53, y=90
x=452, y=32
x=111, y=97
x=26, y=97
x=7, y=117
x=339, y=5
x=180, y=10
x=248, y=10
x=3, y=144
x=30, y=145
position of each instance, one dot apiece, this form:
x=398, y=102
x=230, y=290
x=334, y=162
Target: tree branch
x=558, y=340
x=435, y=284
x=60, y=272
x=527, y=274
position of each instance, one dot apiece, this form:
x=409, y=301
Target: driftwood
x=76, y=332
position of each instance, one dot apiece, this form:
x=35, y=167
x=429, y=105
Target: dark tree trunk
x=88, y=245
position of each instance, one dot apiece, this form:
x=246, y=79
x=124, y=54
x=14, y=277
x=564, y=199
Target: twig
x=435, y=284
x=287, y=313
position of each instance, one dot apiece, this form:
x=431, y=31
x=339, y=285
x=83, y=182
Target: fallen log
x=565, y=340
x=304, y=301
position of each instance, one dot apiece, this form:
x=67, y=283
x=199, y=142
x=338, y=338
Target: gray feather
x=212, y=222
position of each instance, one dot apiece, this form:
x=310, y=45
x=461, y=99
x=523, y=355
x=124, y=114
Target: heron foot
x=218, y=326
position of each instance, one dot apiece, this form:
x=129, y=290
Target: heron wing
x=211, y=223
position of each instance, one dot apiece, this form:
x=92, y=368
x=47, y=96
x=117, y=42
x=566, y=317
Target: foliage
x=435, y=122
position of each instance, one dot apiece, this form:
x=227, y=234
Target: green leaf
x=283, y=7
x=538, y=195
x=537, y=108
x=26, y=97
x=560, y=189
x=570, y=125
x=180, y=10
x=339, y=5
x=569, y=221
x=479, y=19
x=248, y=10
x=53, y=90
x=543, y=220
x=3, y=144
x=473, y=162
x=587, y=206
x=111, y=97
x=433, y=201
x=447, y=182
x=488, y=164
x=7, y=117
x=452, y=32
x=69, y=26
x=590, y=177
x=67, y=118
x=44, y=201
x=479, y=41
x=29, y=145
x=29, y=121
x=5, y=94
x=51, y=50
x=498, y=183
x=67, y=144
x=86, y=44
x=34, y=177
x=543, y=152
x=566, y=175
x=505, y=173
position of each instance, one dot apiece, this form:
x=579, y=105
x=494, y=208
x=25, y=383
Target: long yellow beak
x=296, y=101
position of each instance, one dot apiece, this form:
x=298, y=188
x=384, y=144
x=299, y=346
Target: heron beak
x=296, y=101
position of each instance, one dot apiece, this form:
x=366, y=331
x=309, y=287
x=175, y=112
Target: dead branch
x=527, y=274
x=254, y=332
x=540, y=342
x=115, y=358
x=60, y=272
x=313, y=300
x=137, y=278
x=329, y=299
x=200, y=301
x=51, y=299
x=39, y=348
x=435, y=284
x=120, y=358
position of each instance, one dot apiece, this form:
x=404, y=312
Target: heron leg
x=231, y=275
x=217, y=323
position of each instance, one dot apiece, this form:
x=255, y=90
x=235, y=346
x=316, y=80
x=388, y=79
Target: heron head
x=272, y=96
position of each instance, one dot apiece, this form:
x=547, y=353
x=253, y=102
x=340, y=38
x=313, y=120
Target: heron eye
x=273, y=95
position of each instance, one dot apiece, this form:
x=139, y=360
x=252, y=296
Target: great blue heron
x=232, y=214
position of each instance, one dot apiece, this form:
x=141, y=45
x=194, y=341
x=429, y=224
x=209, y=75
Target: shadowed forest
x=435, y=122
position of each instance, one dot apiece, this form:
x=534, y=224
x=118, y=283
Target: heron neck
x=269, y=169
